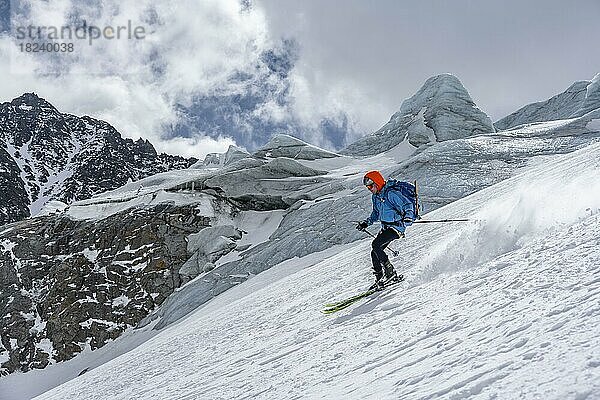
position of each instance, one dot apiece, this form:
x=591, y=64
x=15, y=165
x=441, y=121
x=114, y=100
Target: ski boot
x=390, y=274
x=379, y=282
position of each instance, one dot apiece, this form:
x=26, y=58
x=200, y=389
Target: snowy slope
x=504, y=307
x=286, y=201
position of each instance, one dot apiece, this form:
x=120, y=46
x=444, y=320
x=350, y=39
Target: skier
x=395, y=211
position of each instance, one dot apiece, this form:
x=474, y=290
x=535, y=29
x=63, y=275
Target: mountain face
x=579, y=99
x=102, y=265
x=160, y=247
x=440, y=110
x=78, y=284
x=46, y=155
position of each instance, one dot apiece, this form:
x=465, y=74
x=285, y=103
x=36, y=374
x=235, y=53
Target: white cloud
x=191, y=50
x=134, y=108
x=191, y=47
x=316, y=95
x=357, y=62
x=272, y=111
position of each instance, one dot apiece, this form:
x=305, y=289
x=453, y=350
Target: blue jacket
x=389, y=207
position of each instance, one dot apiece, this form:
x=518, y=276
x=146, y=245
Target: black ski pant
x=381, y=241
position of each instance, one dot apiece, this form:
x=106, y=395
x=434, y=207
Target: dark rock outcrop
x=67, y=284
x=47, y=155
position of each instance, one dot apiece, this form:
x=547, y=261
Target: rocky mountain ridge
x=47, y=155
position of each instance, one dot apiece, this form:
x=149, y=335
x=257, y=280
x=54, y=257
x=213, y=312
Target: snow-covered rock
x=287, y=146
x=442, y=109
x=211, y=159
x=234, y=154
x=217, y=160
x=280, y=146
x=202, y=241
x=255, y=184
x=53, y=206
x=55, y=156
x=207, y=246
x=579, y=99
x=592, y=98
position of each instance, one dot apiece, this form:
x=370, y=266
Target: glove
x=362, y=225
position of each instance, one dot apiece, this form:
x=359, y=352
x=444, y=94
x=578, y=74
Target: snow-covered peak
x=234, y=154
x=31, y=101
x=435, y=90
x=442, y=109
x=579, y=99
x=282, y=145
x=592, y=97
x=283, y=140
x=594, y=86
x=210, y=160
x=218, y=160
x=56, y=156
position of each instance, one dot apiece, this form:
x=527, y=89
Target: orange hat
x=374, y=177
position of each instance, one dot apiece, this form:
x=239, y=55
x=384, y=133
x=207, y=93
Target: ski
x=340, y=305
x=346, y=302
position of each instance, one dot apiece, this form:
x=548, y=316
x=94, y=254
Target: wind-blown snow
x=507, y=306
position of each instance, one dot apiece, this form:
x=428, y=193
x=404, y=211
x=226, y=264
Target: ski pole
x=425, y=221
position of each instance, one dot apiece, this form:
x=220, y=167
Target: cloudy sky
x=210, y=73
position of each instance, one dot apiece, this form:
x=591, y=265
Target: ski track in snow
x=504, y=307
